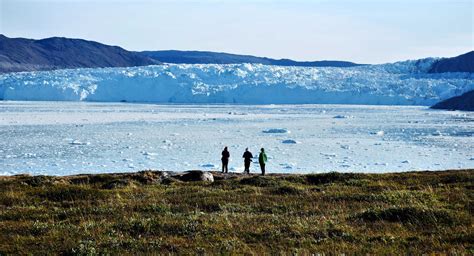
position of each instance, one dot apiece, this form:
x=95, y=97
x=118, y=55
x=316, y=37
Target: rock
x=195, y=175
x=463, y=102
x=170, y=180
x=150, y=177
x=121, y=183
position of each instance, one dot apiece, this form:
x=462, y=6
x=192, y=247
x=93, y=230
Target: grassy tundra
x=400, y=213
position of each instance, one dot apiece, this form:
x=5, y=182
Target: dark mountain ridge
x=20, y=54
x=206, y=57
x=461, y=63
x=464, y=102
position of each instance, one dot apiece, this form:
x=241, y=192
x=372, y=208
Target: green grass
x=400, y=213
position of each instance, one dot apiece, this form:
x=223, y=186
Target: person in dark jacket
x=225, y=160
x=247, y=160
x=262, y=160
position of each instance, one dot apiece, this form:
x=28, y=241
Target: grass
x=398, y=213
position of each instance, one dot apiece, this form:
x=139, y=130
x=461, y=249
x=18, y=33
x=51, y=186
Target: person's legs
x=262, y=167
x=226, y=167
x=247, y=167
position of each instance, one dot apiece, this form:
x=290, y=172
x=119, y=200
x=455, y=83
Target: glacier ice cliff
x=400, y=83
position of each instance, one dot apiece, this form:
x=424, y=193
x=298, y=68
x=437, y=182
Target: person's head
x=262, y=149
x=225, y=148
x=246, y=149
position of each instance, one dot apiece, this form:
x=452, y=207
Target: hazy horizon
x=360, y=31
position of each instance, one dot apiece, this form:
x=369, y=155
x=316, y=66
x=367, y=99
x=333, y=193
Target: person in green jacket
x=262, y=159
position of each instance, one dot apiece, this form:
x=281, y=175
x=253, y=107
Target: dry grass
x=402, y=213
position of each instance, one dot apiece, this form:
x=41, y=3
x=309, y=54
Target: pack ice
x=400, y=83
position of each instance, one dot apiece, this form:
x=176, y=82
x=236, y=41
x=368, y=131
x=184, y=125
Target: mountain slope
x=203, y=57
x=461, y=63
x=464, y=102
x=20, y=54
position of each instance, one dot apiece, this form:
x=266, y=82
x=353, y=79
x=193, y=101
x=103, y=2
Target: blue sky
x=364, y=31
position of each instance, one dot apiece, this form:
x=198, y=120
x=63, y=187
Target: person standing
x=247, y=160
x=225, y=160
x=262, y=160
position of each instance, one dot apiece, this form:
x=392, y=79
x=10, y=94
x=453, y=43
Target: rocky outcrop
x=464, y=102
x=118, y=180
x=195, y=175
x=461, y=63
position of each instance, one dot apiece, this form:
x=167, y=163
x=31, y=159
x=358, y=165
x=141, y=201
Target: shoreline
x=230, y=173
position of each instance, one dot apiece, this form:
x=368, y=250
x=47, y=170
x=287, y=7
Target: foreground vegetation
x=401, y=213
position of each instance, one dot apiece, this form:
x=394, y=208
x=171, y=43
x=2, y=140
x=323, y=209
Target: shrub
x=330, y=177
x=71, y=193
x=409, y=215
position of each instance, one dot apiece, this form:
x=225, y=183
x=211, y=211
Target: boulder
x=150, y=177
x=196, y=175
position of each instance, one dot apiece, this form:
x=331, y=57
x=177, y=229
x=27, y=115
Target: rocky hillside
x=202, y=57
x=20, y=54
x=464, y=102
x=461, y=63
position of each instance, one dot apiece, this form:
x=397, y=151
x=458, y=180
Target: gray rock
x=195, y=175
x=150, y=177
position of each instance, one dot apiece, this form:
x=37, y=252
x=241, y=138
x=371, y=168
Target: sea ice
x=78, y=142
x=324, y=148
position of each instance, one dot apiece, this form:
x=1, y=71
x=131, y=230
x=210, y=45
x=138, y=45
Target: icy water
x=61, y=138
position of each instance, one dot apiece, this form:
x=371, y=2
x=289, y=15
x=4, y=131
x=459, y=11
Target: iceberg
x=400, y=83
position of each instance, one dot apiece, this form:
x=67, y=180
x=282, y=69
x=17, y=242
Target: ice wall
x=401, y=83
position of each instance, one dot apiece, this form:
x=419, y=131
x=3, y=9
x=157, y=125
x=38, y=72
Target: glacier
x=400, y=83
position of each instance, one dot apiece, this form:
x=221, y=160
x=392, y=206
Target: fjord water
x=61, y=138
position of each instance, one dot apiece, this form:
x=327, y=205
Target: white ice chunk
x=378, y=133
x=78, y=142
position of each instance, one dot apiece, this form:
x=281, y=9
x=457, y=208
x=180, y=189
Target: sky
x=363, y=31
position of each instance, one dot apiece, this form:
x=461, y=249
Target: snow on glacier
x=401, y=83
